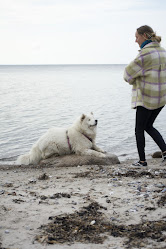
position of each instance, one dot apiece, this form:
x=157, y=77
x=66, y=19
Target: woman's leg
x=142, y=116
x=153, y=132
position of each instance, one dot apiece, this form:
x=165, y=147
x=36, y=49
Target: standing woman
x=147, y=74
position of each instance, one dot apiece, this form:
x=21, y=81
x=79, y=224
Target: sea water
x=36, y=98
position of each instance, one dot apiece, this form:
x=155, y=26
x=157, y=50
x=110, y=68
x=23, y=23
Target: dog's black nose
x=96, y=121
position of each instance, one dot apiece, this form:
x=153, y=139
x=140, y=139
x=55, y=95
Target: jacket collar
x=151, y=45
x=145, y=43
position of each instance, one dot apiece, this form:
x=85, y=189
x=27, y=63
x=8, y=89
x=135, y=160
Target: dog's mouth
x=94, y=123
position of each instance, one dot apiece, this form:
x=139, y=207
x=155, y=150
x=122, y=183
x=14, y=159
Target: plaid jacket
x=147, y=74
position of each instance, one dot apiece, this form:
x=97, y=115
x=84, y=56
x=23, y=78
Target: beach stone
x=2, y=192
x=157, y=154
x=164, y=190
x=75, y=160
x=8, y=184
x=44, y=176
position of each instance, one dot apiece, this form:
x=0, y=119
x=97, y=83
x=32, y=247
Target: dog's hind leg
x=50, y=150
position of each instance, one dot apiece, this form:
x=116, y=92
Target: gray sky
x=75, y=31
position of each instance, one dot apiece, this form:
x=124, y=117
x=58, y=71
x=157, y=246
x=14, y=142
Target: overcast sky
x=75, y=31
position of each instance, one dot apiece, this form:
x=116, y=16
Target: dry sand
x=89, y=206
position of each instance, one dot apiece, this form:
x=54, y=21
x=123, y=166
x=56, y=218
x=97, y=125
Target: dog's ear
x=82, y=117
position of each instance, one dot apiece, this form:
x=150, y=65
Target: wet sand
x=88, y=206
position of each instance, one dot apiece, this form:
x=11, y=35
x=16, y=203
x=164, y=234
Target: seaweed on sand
x=90, y=226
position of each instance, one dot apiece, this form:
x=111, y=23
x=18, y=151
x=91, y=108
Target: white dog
x=78, y=139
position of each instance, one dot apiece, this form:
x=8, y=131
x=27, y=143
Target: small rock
x=74, y=203
x=43, y=197
x=2, y=192
x=157, y=154
x=43, y=177
x=108, y=201
x=164, y=190
x=139, y=188
x=92, y=222
x=150, y=208
x=32, y=180
x=146, y=195
x=113, y=219
x=18, y=201
x=12, y=193
x=160, y=185
x=133, y=210
x=8, y=184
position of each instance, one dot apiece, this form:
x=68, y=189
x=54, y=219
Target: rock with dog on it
x=77, y=160
x=77, y=139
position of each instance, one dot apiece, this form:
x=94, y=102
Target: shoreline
x=122, y=196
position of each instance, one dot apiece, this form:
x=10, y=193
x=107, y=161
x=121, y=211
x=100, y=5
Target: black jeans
x=144, y=122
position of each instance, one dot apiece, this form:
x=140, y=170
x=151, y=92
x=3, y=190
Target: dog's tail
x=33, y=157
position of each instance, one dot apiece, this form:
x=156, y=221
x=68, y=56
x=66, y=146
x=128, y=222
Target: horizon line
x=65, y=64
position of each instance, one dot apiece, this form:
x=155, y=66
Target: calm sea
x=36, y=98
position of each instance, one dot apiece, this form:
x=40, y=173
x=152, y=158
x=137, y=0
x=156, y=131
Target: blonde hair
x=150, y=34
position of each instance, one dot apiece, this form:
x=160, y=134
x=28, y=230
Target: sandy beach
x=75, y=205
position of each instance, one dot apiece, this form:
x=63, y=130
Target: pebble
x=92, y=222
x=27, y=228
x=140, y=205
x=133, y=210
x=139, y=188
x=74, y=203
x=108, y=201
x=8, y=184
x=146, y=195
x=164, y=190
x=160, y=185
x=115, y=179
x=114, y=219
x=32, y=180
x=157, y=172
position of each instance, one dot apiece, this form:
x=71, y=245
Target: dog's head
x=88, y=122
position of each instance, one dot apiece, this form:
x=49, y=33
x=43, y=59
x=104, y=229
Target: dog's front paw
x=100, y=150
x=102, y=155
x=103, y=151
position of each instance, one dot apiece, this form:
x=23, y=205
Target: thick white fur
x=55, y=142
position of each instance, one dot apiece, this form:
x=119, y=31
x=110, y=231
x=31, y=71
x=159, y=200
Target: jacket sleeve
x=133, y=71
